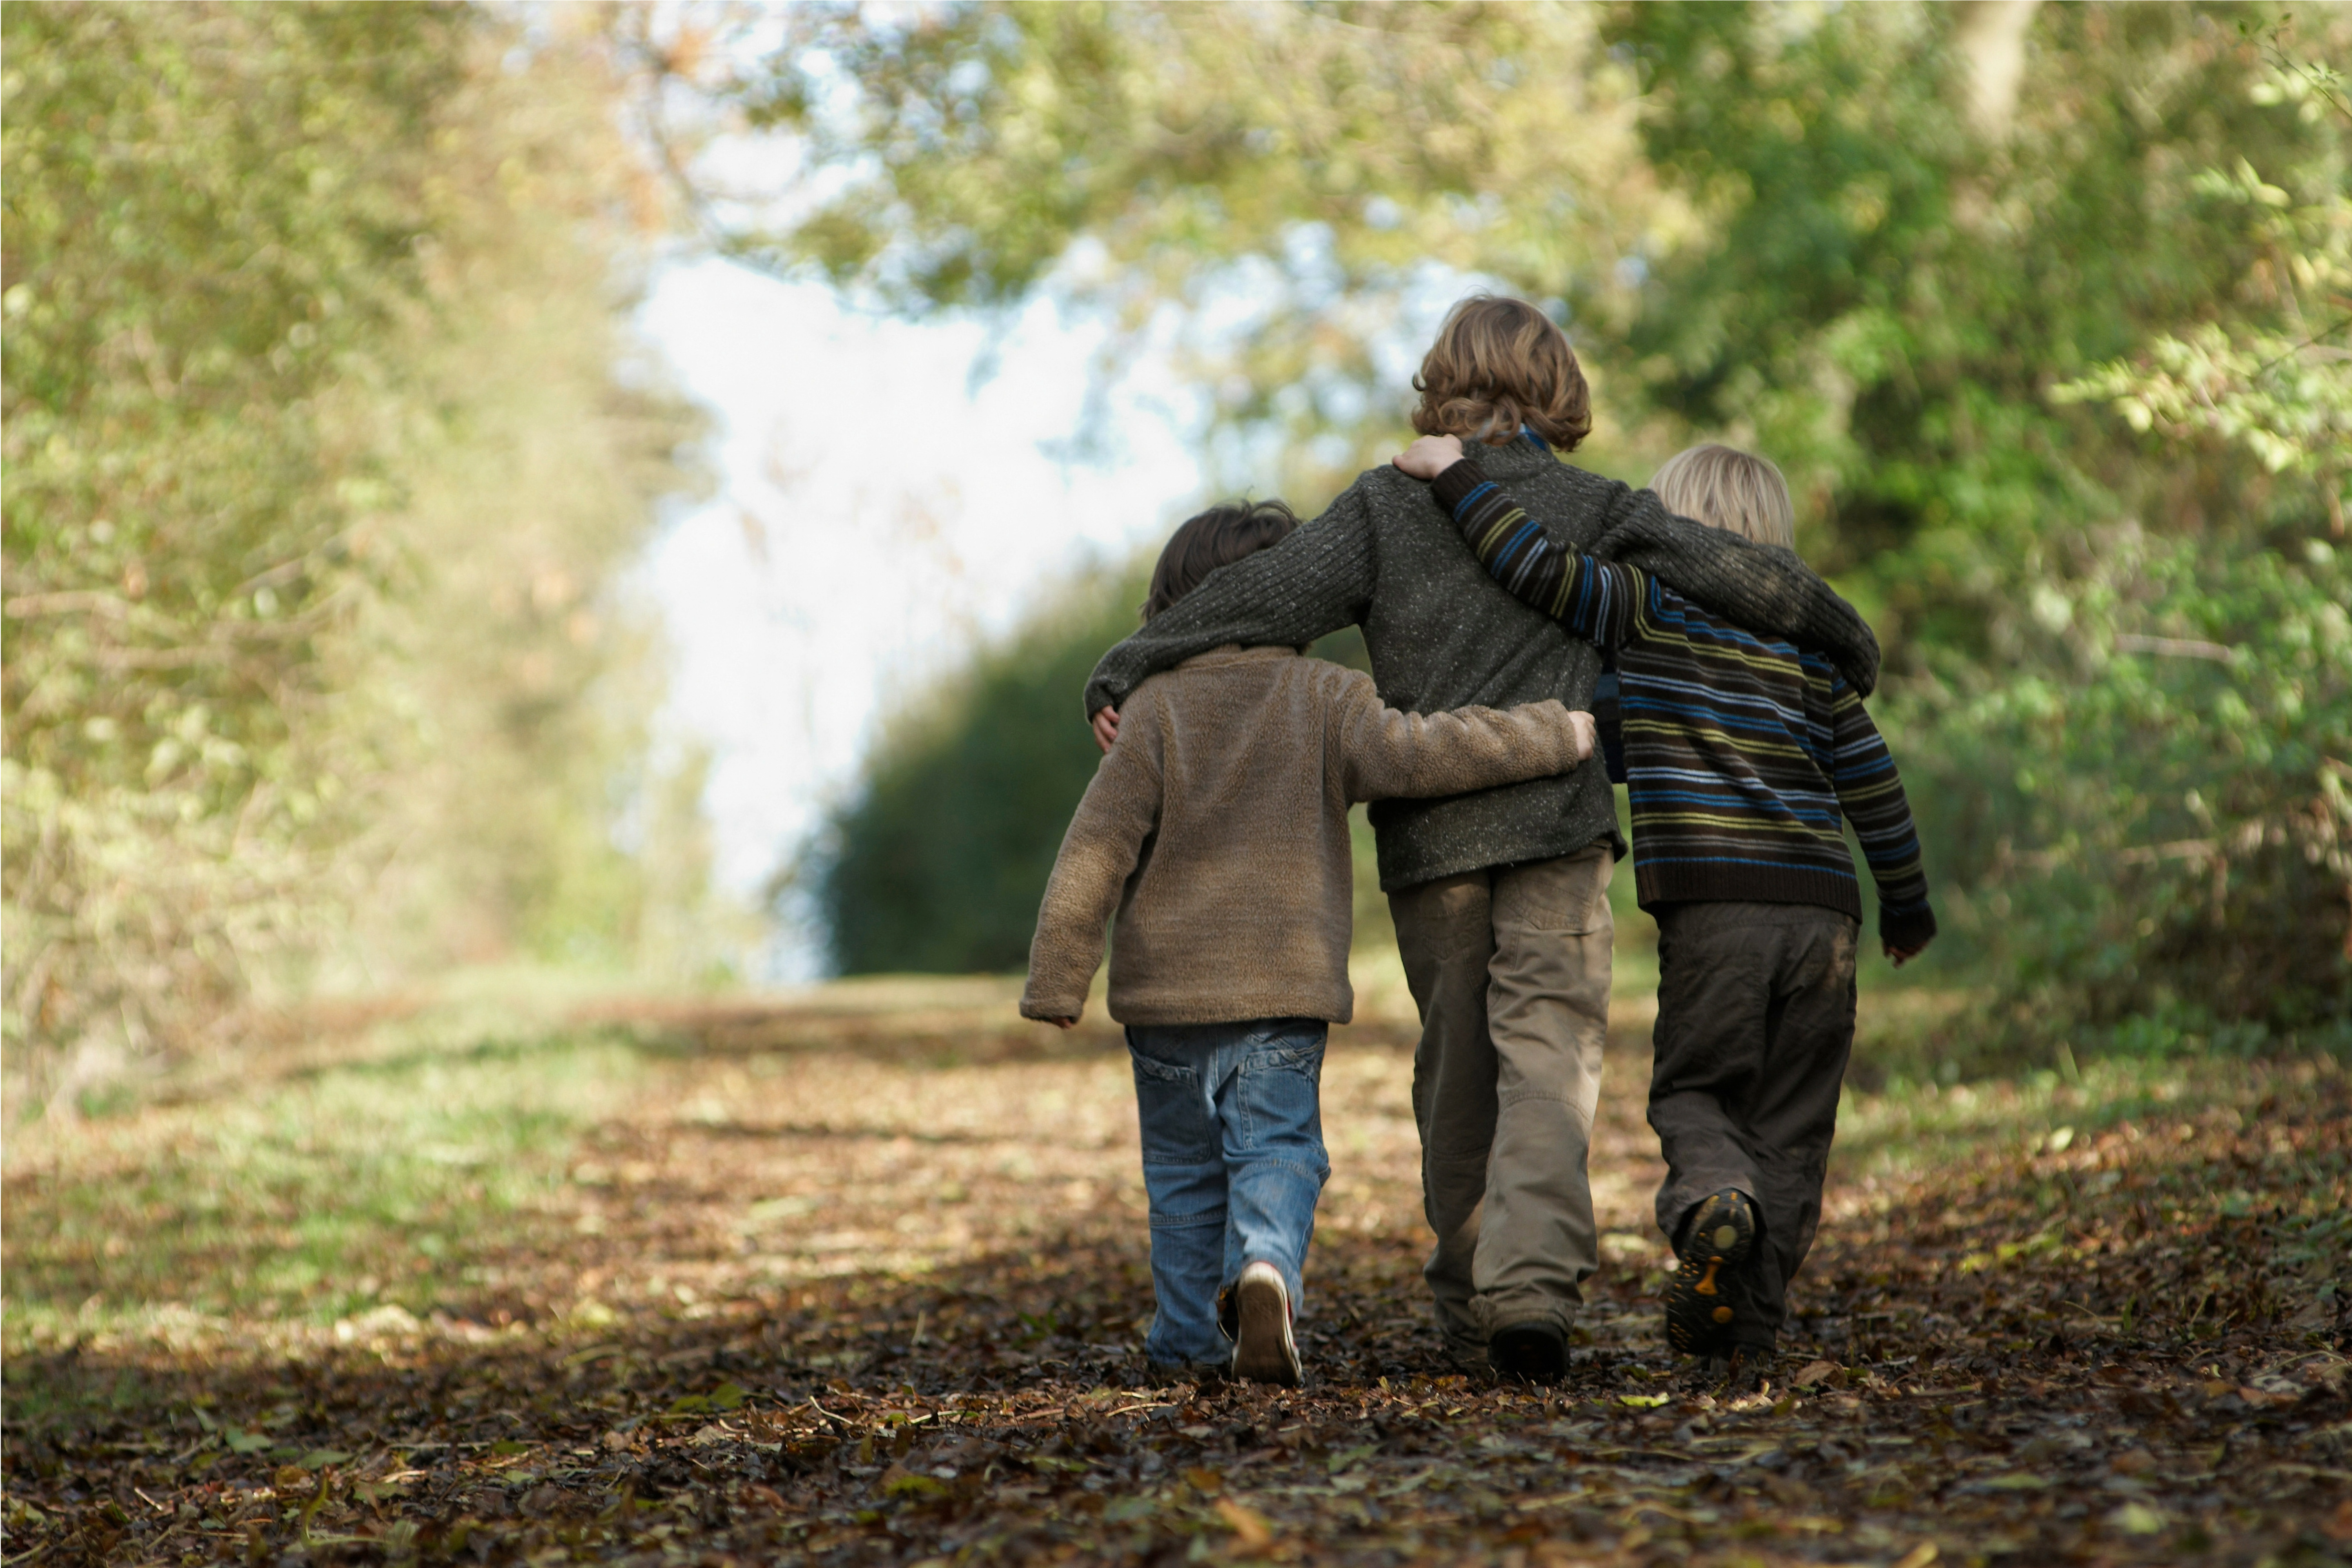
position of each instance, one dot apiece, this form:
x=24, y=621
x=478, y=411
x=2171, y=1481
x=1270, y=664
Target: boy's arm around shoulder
x=1118, y=812
x=1762, y=587
x=1870, y=793
x=1598, y=602
x=1317, y=581
x=1382, y=751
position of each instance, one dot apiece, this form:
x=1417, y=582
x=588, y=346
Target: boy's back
x=1217, y=826
x=1439, y=638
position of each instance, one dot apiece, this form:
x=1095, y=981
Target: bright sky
x=875, y=512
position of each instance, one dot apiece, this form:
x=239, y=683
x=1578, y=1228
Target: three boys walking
x=1216, y=827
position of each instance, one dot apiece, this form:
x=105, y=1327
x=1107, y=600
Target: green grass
x=1911, y=1126
x=389, y=1182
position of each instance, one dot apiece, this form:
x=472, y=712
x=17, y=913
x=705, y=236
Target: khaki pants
x=1509, y=967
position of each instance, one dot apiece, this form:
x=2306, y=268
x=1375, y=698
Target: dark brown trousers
x=1755, y=1024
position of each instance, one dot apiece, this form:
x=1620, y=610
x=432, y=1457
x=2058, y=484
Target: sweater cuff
x=1908, y=929
x=1045, y=1009
x=1458, y=484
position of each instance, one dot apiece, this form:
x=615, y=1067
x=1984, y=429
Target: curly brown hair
x=1498, y=364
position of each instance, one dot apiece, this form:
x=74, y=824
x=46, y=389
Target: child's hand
x=1581, y=721
x=1063, y=1023
x=1899, y=956
x=1430, y=457
x=1106, y=726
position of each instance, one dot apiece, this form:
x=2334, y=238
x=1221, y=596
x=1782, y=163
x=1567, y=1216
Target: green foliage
x=2156, y=820
x=194, y=262
x=2130, y=711
x=315, y=470
x=2042, y=309
x=939, y=859
x=1886, y=293
x=1284, y=178
x=389, y=1181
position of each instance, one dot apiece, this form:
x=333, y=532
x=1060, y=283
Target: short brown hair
x=1498, y=364
x=1725, y=488
x=1218, y=537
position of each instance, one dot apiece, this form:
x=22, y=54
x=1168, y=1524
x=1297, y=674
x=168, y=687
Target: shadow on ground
x=850, y=1309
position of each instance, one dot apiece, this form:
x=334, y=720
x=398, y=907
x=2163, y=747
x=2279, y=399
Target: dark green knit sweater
x=1384, y=556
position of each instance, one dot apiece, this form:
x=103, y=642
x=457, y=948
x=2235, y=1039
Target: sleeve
x=1599, y=603
x=1871, y=794
x=1315, y=582
x=1106, y=838
x=1760, y=586
x=1382, y=752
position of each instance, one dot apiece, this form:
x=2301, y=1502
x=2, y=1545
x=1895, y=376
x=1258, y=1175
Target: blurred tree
x=1303, y=186
x=1976, y=276
x=317, y=470
x=937, y=862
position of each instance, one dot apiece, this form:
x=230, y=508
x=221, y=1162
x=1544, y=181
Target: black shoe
x=1527, y=1352
x=1718, y=1240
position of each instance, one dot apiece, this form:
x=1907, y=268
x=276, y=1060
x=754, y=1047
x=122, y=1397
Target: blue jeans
x=1232, y=1162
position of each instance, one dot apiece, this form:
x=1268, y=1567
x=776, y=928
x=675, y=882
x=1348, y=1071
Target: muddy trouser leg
x=1755, y=1025
x=1510, y=970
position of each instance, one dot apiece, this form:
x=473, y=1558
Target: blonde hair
x=1498, y=364
x=1727, y=488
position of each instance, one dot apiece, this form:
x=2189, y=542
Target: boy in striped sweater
x=1743, y=754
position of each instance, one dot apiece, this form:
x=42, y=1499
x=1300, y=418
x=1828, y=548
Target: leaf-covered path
x=868, y=1288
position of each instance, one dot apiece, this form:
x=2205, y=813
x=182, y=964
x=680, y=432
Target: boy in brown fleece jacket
x=1217, y=827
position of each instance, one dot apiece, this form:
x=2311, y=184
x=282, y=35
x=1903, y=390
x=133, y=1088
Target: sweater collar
x=1235, y=653
x=1529, y=454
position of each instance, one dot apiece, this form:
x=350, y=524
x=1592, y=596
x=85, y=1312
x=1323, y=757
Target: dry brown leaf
x=1251, y=1531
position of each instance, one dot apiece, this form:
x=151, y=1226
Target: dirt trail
x=854, y=1305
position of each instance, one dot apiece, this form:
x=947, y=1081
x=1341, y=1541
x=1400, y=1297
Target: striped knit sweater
x=1741, y=751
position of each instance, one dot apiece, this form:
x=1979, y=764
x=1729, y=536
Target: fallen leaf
x=1819, y=1372
x=1251, y=1531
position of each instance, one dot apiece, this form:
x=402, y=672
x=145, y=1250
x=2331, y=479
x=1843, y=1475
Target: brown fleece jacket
x=1217, y=827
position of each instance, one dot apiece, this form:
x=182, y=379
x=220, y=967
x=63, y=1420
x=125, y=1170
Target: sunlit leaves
x=249, y=251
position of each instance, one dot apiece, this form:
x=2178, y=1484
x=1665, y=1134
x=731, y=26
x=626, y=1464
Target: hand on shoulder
x=1430, y=456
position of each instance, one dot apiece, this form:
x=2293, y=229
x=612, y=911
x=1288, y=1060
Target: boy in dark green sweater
x=1744, y=755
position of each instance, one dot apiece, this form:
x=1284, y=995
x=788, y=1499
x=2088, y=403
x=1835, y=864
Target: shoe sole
x=1264, y=1350
x=1698, y=1313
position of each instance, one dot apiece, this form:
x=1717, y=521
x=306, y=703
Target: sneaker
x=1264, y=1350
x=1527, y=1352
x=1718, y=1240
